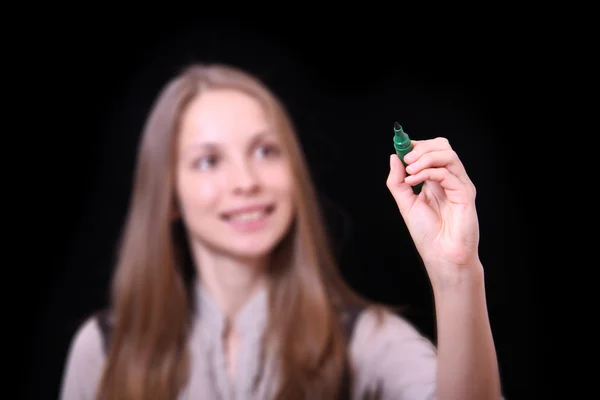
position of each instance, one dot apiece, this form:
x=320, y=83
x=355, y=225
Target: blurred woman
x=226, y=287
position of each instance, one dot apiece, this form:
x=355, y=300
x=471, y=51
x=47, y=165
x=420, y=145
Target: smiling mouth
x=251, y=215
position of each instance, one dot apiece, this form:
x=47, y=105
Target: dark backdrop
x=345, y=85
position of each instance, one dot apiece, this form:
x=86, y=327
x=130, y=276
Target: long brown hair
x=148, y=356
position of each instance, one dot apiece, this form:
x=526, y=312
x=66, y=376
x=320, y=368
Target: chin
x=252, y=247
x=249, y=254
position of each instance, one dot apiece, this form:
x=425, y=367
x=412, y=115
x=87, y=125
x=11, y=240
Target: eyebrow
x=256, y=137
x=260, y=135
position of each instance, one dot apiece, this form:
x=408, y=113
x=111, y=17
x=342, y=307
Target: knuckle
x=443, y=140
x=425, y=160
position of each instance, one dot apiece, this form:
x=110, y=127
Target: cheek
x=197, y=194
x=283, y=184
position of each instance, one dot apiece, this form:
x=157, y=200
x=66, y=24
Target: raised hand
x=442, y=218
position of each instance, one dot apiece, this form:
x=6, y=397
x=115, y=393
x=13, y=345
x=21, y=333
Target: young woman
x=225, y=286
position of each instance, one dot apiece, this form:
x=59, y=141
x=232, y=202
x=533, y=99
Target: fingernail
x=409, y=156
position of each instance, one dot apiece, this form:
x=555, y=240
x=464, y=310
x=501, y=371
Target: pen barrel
x=403, y=146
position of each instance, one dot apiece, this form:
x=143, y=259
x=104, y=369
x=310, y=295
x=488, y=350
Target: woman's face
x=234, y=184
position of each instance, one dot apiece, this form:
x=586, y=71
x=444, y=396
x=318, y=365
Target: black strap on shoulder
x=349, y=318
x=105, y=321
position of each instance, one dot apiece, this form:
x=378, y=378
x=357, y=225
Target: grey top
x=392, y=360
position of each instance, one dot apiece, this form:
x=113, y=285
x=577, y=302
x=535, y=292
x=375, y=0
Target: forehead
x=219, y=115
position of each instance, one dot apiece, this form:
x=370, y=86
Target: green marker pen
x=403, y=146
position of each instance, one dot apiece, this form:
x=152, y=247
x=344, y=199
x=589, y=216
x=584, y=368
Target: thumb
x=400, y=190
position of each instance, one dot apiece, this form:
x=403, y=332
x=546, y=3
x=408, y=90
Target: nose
x=244, y=179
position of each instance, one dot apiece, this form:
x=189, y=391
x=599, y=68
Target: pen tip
x=396, y=125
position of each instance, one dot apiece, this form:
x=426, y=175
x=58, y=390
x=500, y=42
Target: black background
x=345, y=83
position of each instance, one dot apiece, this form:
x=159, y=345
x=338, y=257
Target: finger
x=423, y=146
x=436, y=159
x=456, y=190
x=397, y=172
x=399, y=188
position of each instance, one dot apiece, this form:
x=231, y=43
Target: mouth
x=248, y=214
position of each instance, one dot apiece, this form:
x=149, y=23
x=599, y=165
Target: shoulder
x=84, y=362
x=391, y=356
x=376, y=322
x=87, y=335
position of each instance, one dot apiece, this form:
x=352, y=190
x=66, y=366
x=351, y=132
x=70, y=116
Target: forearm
x=467, y=363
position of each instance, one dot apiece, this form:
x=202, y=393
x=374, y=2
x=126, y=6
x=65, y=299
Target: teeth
x=249, y=216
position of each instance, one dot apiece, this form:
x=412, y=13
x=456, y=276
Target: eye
x=267, y=150
x=205, y=162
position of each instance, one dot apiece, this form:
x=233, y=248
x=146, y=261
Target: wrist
x=456, y=278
